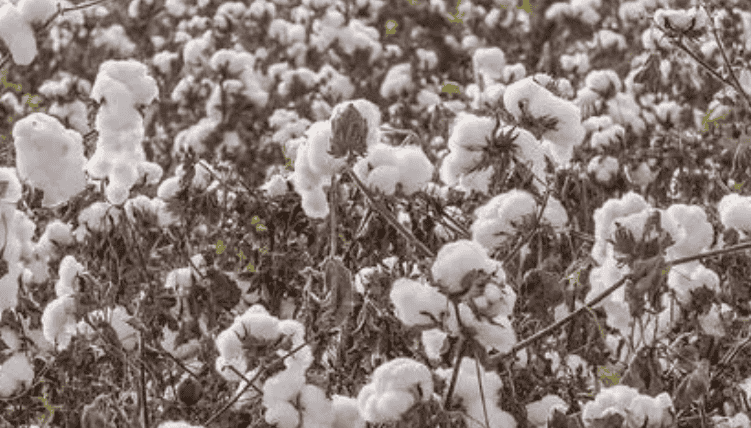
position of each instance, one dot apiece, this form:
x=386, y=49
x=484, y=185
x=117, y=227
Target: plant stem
x=388, y=216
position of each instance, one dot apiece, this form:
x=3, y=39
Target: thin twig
x=737, y=84
x=388, y=216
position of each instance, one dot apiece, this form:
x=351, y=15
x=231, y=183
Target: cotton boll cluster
x=16, y=27
x=637, y=410
x=734, y=209
x=529, y=99
x=466, y=390
x=386, y=167
x=59, y=317
x=539, y=412
x=499, y=218
x=120, y=87
x=603, y=168
x=49, y=157
x=395, y=387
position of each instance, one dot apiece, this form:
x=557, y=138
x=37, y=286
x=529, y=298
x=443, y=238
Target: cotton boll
x=412, y=297
x=604, y=168
x=282, y=415
x=49, y=157
x=650, y=412
x=59, y=321
x=18, y=35
x=37, y=11
x=319, y=145
x=346, y=414
x=169, y=188
x=434, y=342
x=384, y=179
x=67, y=272
x=16, y=372
x=314, y=203
x=59, y=232
x=489, y=64
x=117, y=194
x=692, y=232
x=151, y=172
x=127, y=335
x=457, y=259
x=611, y=400
x=99, y=217
x=734, y=209
x=539, y=412
x=397, y=81
x=470, y=132
x=685, y=279
x=415, y=169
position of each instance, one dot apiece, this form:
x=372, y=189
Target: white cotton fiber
x=37, y=11
x=18, y=35
x=49, y=157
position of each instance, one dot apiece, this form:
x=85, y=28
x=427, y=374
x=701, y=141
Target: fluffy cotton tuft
x=395, y=387
x=17, y=34
x=734, y=209
x=417, y=304
x=49, y=157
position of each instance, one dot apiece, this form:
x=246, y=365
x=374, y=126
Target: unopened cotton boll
x=17, y=34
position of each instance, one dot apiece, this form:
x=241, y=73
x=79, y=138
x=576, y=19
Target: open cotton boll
x=734, y=209
x=314, y=203
x=345, y=411
x=59, y=321
x=489, y=63
x=318, y=148
x=410, y=298
x=16, y=373
x=606, y=215
x=470, y=132
x=683, y=279
x=395, y=387
x=37, y=11
x=17, y=34
x=458, y=163
x=69, y=269
x=457, y=259
x=495, y=219
x=398, y=80
x=603, y=81
x=616, y=399
x=603, y=168
x=415, y=169
x=691, y=231
x=49, y=157
x=539, y=412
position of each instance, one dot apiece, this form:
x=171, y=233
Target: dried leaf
x=541, y=290
x=340, y=302
x=644, y=373
x=693, y=387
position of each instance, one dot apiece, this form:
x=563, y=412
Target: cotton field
x=375, y=213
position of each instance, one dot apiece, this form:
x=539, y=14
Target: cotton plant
x=49, y=157
x=120, y=87
x=527, y=100
x=16, y=30
x=479, y=397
